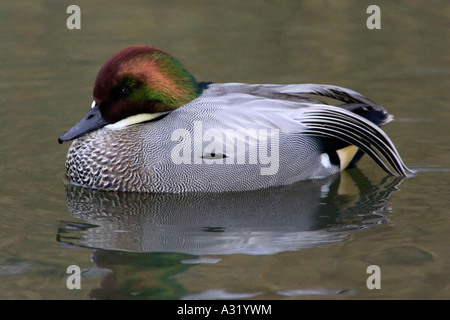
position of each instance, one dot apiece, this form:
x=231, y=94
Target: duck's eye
x=125, y=91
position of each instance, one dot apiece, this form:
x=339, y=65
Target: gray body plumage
x=181, y=152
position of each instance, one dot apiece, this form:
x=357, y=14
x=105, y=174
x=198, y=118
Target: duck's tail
x=355, y=125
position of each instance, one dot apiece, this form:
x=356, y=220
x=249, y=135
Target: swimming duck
x=153, y=128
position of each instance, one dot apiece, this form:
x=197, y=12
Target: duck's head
x=137, y=84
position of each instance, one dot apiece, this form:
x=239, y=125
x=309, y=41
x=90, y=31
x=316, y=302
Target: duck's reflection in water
x=192, y=228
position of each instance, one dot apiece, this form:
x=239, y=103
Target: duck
x=152, y=127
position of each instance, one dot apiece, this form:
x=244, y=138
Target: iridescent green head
x=142, y=79
x=134, y=85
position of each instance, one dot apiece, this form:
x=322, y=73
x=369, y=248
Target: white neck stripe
x=138, y=118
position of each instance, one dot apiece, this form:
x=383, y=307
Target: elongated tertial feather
x=335, y=122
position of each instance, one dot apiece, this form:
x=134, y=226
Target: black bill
x=93, y=120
